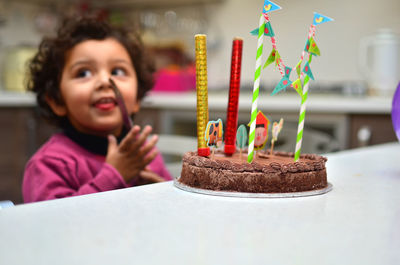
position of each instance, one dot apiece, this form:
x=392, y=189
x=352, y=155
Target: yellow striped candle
x=202, y=93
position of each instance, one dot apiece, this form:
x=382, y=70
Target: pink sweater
x=62, y=168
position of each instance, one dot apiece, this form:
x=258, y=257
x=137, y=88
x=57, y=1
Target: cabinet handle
x=364, y=136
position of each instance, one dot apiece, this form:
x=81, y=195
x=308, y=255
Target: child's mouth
x=105, y=104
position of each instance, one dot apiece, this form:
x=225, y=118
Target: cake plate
x=250, y=194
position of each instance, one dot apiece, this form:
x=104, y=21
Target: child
x=70, y=76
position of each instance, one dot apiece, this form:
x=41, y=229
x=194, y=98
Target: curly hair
x=46, y=67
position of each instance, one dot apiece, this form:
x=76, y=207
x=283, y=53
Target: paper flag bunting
x=319, y=19
x=313, y=48
x=288, y=70
x=241, y=136
x=213, y=133
x=282, y=85
x=268, y=31
x=297, y=86
x=307, y=70
x=273, y=57
x=270, y=6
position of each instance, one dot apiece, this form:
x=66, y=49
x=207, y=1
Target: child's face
x=89, y=101
x=261, y=136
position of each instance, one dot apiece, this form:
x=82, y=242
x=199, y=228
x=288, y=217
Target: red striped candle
x=234, y=90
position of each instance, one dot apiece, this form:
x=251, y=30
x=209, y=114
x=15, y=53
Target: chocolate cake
x=277, y=173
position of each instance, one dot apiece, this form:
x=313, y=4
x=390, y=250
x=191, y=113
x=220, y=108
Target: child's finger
x=112, y=144
x=129, y=139
x=150, y=176
x=149, y=145
x=150, y=157
x=142, y=138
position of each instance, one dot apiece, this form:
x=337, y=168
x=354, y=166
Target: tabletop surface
x=358, y=222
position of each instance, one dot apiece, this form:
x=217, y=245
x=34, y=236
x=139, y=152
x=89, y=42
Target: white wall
x=337, y=40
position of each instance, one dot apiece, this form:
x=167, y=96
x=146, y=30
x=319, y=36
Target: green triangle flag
x=268, y=31
x=277, y=58
x=298, y=66
x=297, y=86
x=313, y=49
x=271, y=58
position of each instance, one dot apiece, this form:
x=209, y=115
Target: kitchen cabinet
x=21, y=134
x=370, y=130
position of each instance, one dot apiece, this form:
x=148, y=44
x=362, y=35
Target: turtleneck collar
x=92, y=143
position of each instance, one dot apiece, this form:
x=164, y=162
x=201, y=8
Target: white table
x=358, y=222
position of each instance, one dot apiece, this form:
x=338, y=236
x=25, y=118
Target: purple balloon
x=396, y=112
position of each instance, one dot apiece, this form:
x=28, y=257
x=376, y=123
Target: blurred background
x=349, y=102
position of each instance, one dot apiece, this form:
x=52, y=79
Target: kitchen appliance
x=379, y=61
x=15, y=66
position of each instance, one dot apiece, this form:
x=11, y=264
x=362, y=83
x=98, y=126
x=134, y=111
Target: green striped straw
x=302, y=116
x=256, y=89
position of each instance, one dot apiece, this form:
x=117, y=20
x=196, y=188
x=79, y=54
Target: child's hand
x=147, y=176
x=133, y=154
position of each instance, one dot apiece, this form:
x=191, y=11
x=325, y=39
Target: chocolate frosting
x=267, y=173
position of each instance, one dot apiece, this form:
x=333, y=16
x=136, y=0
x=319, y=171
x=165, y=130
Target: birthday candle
x=256, y=89
x=234, y=90
x=202, y=93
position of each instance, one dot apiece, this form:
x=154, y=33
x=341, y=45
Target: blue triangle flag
x=319, y=19
x=288, y=70
x=282, y=85
x=270, y=6
x=306, y=47
x=307, y=70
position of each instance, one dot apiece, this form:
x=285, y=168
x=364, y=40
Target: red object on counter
x=203, y=151
x=234, y=90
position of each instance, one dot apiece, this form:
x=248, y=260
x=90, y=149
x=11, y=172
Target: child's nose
x=103, y=81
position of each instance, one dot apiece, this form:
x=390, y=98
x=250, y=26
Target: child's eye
x=118, y=71
x=83, y=73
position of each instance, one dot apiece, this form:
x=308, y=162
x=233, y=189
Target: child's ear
x=58, y=109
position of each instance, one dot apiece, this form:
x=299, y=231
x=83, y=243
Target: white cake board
x=252, y=195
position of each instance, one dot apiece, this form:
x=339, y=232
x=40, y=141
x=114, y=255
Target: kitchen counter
x=321, y=103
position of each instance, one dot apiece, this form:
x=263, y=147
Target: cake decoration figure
x=276, y=129
x=214, y=133
x=261, y=131
x=241, y=138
